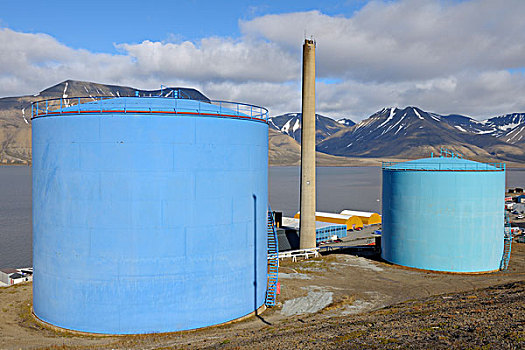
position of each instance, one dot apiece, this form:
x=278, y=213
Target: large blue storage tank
x=149, y=214
x=443, y=214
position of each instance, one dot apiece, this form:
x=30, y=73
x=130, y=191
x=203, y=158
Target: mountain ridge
x=391, y=133
x=290, y=124
x=414, y=133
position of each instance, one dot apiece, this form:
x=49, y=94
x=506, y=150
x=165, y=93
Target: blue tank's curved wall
x=148, y=223
x=443, y=220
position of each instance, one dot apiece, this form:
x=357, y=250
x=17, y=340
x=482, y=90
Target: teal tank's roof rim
x=442, y=164
x=66, y=106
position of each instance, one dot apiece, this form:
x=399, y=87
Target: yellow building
x=351, y=222
x=367, y=218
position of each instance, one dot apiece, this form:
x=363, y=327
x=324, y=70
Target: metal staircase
x=507, y=244
x=273, y=261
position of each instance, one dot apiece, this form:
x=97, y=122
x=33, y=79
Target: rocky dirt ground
x=336, y=301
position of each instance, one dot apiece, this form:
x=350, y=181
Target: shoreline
x=337, y=161
x=365, y=163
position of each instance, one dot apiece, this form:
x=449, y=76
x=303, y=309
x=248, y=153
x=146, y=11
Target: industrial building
x=8, y=277
x=149, y=213
x=367, y=218
x=352, y=222
x=288, y=234
x=520, y=198
x=443, y=214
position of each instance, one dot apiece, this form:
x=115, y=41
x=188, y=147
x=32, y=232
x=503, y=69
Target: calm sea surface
x=338, y=188
x=15, y=216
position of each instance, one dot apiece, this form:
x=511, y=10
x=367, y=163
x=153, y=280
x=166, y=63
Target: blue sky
x=443, y=56
x=96, y=25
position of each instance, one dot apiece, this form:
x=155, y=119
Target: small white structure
x=9, y=277
x=299, y=253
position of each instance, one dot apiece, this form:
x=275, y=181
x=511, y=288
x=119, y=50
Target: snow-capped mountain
x=505, y=122
x=389, y=133
x=290, y=124
x=412, y=132
x=467, y=124
x=346, y=122
x=515, y=136
x=510, y=127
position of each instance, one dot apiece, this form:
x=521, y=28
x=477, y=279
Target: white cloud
x=278, y=97
x=216, y=59
x=405, y=40
x=31, y=62
x=445, y=57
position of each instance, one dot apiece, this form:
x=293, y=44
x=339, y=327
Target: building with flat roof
x=13, y=276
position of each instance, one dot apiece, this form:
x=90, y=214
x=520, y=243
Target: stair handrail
x=273, y=260
x=507, y=243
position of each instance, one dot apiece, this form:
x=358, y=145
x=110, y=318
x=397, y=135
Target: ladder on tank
x=273, y=261
x=507, y=244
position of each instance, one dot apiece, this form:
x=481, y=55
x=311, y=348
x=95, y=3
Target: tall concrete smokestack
x=307, y=221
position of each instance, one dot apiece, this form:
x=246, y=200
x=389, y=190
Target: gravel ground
x=334, y=302
x=491, y=318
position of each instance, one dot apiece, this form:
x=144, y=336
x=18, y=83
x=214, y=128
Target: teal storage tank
x=149, y=214
x=443, y=214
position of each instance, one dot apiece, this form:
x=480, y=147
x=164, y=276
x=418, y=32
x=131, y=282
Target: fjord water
x=338, y=188
x=15, y=216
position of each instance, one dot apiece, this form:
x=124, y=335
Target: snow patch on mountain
x=286, y=128
x=296, y=126
x=418, y=115
x=290, y=124
x=64, y=95
x=390, y=117
x=346, y=122
x=435, y=117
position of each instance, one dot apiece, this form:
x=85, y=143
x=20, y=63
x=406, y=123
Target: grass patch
x=430, y=329
x=389, y=310
x=26, y=318
x=350, y=336
x=386, y=341
x=518, y=336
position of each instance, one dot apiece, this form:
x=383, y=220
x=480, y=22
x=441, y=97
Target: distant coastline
x=351, y=163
